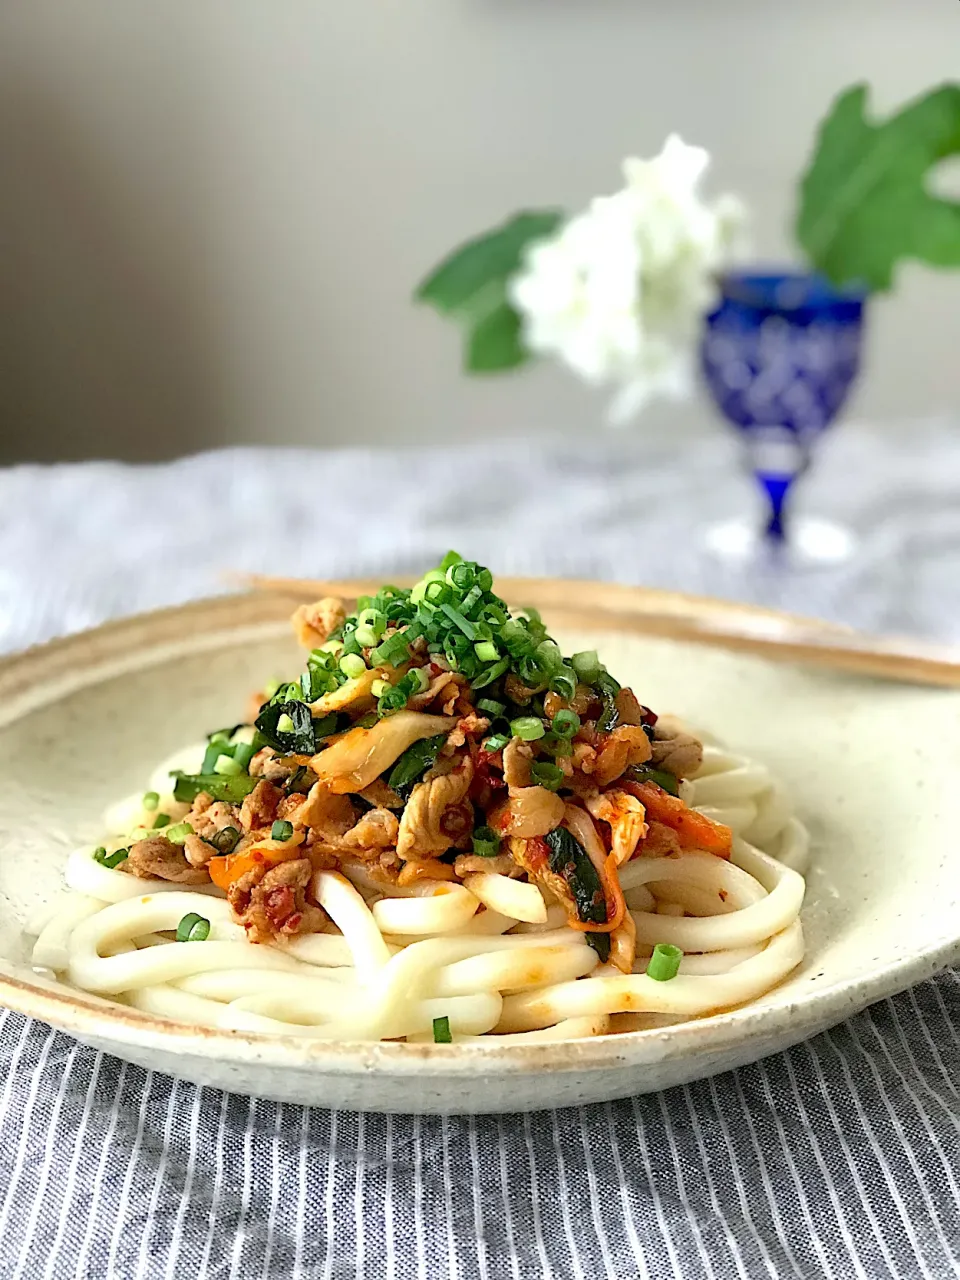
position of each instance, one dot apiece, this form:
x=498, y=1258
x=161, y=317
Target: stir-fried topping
x=434, y=736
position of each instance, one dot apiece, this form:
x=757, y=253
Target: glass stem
x=776, y=489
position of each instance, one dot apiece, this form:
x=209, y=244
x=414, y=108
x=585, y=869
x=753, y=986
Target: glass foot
x=811, y=543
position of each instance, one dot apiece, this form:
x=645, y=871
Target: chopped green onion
x=462, y=575
x=226, y=840
x=110, y=860
x=556, y=745
x=529, y=728
x=418, y=679
x=496, y=742
x=161, y=820
x=271, y=687
x=352, y=665
x=487, y=651
x=489, y=674
x=664, y=964
x=179, y=833
x=586, y=665
x=151, y=800
x=284, y=725
x=491, y=706
x=486, y=842
x=450, y=559
x=212, y=755
x=549, y=655
x=371, y=624
x=281, y=830
x=565, y=723
x=457, y=617
x=244, y=754
x=438, y=593
x=470, y=601
x=391, y=651
x=379, y=687
x=564, y=682
x=441, y=1031
x=332, y=647
x=395, y=699
x=544, y=774
x=229, y=766
x=193, y=928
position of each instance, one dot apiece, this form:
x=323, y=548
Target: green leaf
x=864, y=203
x=470, y=285
x=494, y=342
x=414, y=763
x=458, y=284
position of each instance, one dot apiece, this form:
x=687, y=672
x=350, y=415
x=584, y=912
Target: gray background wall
x=211, y=215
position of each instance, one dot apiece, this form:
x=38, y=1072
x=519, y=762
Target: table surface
x=838, y=1158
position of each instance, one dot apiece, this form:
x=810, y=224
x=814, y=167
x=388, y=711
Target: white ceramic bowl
x=871, y=768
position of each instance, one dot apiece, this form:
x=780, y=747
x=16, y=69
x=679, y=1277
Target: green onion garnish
x=486, y=842
x=161, y=820
x=226, y=840
x=212, y=754
x=564, y=682
x=281, y=830
x=244, y=754
x=565, y=724
x=586, y=665
x=544, y=774
x=151, y=800
x=284, y=725
x=417, y=680
x=489, y=674
x=441, y=1031
x=352, y=665
x=391, y=651
x=664, y=964
x=496, y=742
x=379, y=687
x=487, y=651
x=229, y=766
x=179, y=833
x=395, y=699
x=491, y=706
x=110, y=860
x=529, y=728
x=193, y=928
x=555, y=745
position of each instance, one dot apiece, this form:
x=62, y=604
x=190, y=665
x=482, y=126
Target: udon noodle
x=363, y=949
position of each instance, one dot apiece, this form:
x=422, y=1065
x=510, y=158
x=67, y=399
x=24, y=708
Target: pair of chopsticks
x=697, y=620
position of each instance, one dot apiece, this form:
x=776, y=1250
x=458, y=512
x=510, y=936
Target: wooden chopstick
x=721, y=624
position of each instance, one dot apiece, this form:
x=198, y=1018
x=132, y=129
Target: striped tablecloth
x=838, y=1158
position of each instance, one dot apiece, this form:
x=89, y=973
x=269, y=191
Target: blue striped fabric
x=840, y=1158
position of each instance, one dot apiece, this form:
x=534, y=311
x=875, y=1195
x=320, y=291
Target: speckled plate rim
x=41, y=674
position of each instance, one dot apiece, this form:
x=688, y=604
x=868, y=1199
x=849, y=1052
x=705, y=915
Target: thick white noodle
x=516, y=898
x=689, y=996
x=449, y=908
x=52, y=947
x=492, y=954
x=348, y=911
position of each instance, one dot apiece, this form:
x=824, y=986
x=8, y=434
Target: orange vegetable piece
x=227, y=869
x=694, y=830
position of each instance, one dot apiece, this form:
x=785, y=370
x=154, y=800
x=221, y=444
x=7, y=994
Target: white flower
x=619, y=292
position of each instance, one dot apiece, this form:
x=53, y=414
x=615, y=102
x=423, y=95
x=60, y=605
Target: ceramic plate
x=871, y=767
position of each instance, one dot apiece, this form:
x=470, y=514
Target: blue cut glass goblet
x=779, y=355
